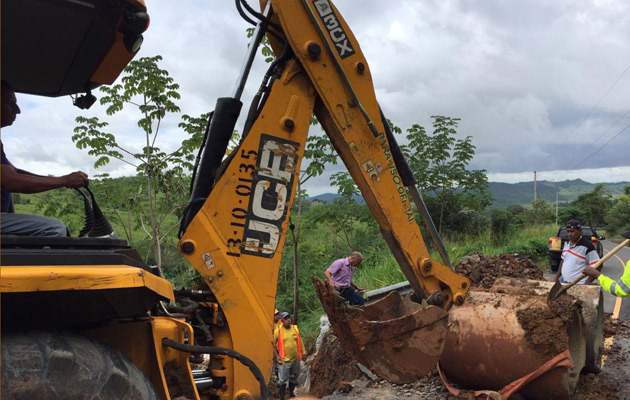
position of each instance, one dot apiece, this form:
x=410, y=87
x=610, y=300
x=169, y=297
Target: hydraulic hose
x=264, y=393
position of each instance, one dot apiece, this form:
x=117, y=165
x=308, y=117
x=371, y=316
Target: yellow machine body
x=235, y=239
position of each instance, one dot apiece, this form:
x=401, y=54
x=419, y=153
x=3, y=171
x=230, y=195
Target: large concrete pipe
x=495, y=339
x=592, y=298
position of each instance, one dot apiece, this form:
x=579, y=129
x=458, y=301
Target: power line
x=600, y=136
x=598, y=150
x=601, y=147
x=592, y=109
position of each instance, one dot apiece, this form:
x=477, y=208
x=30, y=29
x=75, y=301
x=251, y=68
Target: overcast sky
x=539, y=85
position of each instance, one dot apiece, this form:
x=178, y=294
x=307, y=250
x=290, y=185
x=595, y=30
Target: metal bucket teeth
x=397, y=339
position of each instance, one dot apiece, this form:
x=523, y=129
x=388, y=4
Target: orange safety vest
x=280, y=343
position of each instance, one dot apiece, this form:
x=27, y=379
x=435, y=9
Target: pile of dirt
x=484, y=270
x=331, y=365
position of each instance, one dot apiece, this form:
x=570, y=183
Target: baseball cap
x=626, y=234
x=574, y=224
x=284, y=314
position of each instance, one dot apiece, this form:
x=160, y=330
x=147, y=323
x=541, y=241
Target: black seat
x=42, y=250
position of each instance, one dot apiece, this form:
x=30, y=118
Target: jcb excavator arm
x=235, y=228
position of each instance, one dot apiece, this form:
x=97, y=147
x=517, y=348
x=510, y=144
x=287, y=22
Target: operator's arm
x=20, y=181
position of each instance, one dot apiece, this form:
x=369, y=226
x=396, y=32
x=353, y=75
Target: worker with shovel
x=577, y=254
x=620, y=288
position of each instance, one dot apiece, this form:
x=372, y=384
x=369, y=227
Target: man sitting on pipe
x=620, y=288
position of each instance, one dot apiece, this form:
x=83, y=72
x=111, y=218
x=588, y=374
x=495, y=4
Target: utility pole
x=556, y=208
x=535, y=194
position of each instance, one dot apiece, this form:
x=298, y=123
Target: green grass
x=320, y=246
x=530, y=241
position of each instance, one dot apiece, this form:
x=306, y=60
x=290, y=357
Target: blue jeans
x=31, y=225
x=355, y=298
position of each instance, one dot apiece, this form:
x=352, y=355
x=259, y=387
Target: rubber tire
x=53, y=366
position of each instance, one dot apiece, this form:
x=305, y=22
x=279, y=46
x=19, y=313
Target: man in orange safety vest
x=289, y=351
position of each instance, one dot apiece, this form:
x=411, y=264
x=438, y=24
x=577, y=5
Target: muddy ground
x=335, y=376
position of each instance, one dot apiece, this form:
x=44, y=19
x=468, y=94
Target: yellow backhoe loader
x=85, y=318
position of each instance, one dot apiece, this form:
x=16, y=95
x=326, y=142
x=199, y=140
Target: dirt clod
x=344, y=387
x=484, y=270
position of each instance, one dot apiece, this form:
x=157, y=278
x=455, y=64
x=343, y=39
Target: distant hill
x=523, y=192
x=328, y=197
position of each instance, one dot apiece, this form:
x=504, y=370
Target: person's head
x=574, y=230
x=355, y=258
x=276, y=316
x=10, y=109
x=626, y=235
x=286, y=319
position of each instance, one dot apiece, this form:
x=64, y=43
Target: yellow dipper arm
x=235, y=239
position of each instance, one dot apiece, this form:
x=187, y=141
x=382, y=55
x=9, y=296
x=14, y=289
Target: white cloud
x=520, y=75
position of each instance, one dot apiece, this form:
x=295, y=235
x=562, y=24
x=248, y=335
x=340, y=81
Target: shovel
x=558, y=288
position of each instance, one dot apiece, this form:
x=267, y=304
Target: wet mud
x=546, y=327
x=613, y=382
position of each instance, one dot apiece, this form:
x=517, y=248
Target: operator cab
x=59, y=47
x=56, y=48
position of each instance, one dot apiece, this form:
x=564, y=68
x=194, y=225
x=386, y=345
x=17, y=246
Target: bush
x=536, y=248
x=500, y=225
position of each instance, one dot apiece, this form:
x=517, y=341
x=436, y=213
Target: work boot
x=282, y=389
x=291, y=389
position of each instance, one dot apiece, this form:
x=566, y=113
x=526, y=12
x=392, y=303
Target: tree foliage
x=440, y=161
x=540, y=213
x=150, y=91
x=571, y=212
x=595, y=205
x=618, y=217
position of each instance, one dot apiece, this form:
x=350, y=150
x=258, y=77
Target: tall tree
x=595, y=204
x=440, y=161
x=540, y=213
x=618, y=217
x=153, y=93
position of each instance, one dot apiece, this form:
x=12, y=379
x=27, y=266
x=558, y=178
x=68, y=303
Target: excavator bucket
x=397, y=339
